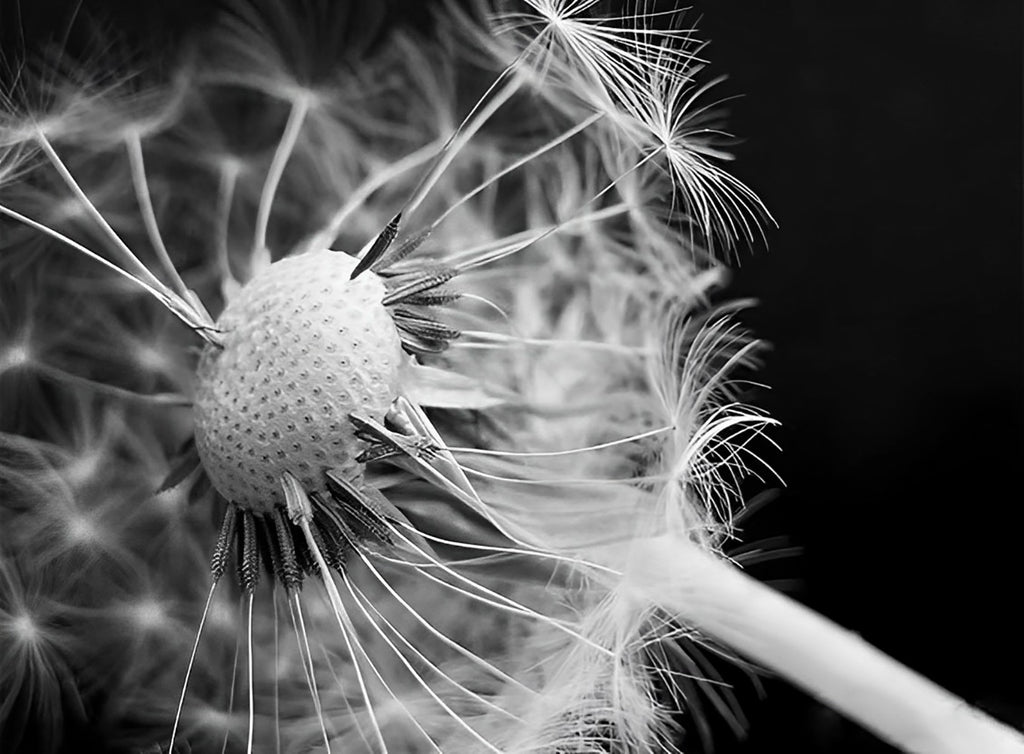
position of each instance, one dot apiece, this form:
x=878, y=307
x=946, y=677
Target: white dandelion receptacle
x=469, y=488
x=302, y=348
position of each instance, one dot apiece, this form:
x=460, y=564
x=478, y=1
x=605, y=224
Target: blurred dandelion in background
x=386, y=398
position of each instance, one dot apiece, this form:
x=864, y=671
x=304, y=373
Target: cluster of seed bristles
x=364, y=511
x=419, y=287
x=272, y=543
x=383, y=443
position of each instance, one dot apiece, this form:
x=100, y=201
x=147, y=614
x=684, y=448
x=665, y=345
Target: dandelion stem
x=832, y=663
x=138, y=169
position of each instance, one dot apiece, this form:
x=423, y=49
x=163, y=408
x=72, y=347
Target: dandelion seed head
x=303, y=347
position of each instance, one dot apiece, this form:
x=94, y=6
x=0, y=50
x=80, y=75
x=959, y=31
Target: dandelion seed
x=39, y=692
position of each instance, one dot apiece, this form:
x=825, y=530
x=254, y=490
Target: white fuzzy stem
x=832, y=663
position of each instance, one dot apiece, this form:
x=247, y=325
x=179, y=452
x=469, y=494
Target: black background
x=886, y=140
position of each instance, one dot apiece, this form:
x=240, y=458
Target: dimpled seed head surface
x=303, y=348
